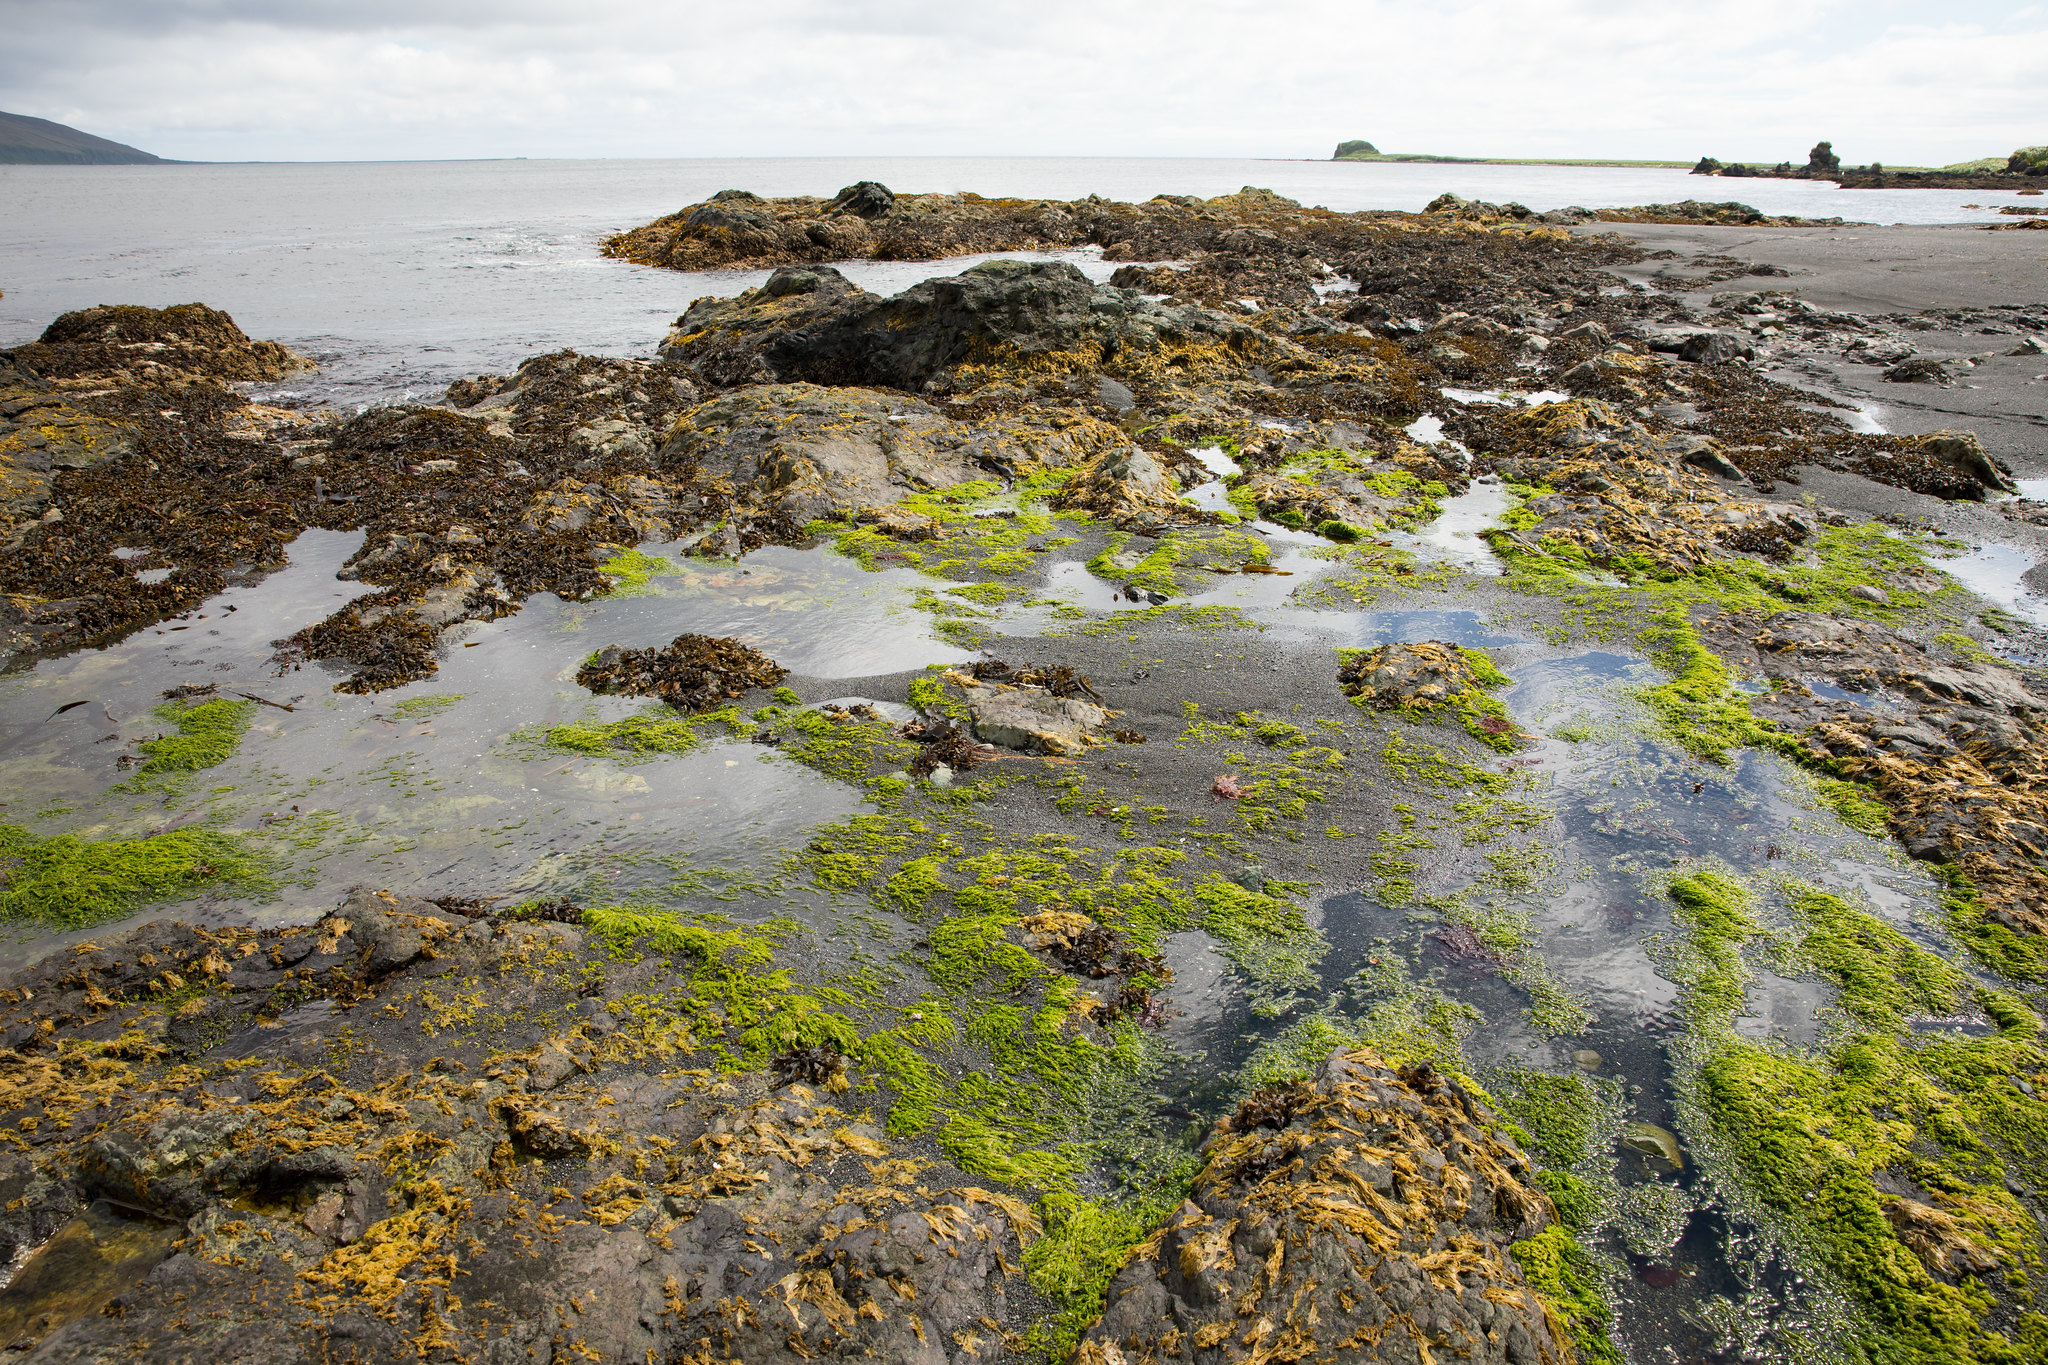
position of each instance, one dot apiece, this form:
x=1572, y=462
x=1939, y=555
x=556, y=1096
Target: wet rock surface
x=941, y=1079
x=1423, y=675
x=1031, y=717
x=351, y=1188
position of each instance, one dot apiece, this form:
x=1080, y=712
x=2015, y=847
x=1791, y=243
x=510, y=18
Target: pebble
x=1587, y=1060
x=1648, y=1140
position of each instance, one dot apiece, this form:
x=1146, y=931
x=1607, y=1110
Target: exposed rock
x=1030, y=718
x=1128, y=487
x=867, y=199
x=805, y=451
x=1920, y=369
x=999, y=320
x=152, y=345
x=1712, y=348
x=1421, y=676
x=682, y=1217
x=1962, y=452
x=1366, y=1219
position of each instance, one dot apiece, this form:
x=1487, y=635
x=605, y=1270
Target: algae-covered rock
x=1000, y=321
x=1129, y=488
x=808, y=451
x=1367, y=1216
x=1031, y=713
x=1421, y=676
x=370, y=1166
x=153, y=345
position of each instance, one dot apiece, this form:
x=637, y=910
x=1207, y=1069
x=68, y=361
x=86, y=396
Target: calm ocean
x=401, y=276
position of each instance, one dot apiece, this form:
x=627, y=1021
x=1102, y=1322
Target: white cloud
x=238, y=79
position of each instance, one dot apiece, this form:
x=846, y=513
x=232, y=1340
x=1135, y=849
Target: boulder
x=1919, y=369
x=1703, y=453
x=865, y=199
x=1965, y=454
x=1712, y=348
x=1300, y=1241
x=1129, y=487
x=1034, y=721
x=154, y=344
x=1423, y=675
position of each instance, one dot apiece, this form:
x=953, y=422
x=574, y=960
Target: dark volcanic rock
x=364, y=1161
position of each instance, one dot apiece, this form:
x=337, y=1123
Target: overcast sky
x=1892, y=80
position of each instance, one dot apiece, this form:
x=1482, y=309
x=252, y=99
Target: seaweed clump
x=694, y=673
x=1058, y=679
x=1344, y=1244
x=1101, y=954
x=1272, y=1106
x=944, y=744
x=1425, y=678
x=814, y=1065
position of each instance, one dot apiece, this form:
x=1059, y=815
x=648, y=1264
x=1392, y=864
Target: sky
x=1897, y=81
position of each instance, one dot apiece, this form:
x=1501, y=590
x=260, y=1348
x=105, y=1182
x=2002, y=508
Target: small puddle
x=1458, y=627
x=443, y=786
x=1995, y=572
x=1213, y=495
x=815, y=612
x=97, y=1255
x=1454, y=537
x=1499, y=397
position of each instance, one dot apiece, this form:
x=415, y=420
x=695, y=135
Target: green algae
x=66, y=881
x=1700, y=707
x=656, y=732
x=424, y=708
x=2016, y=956
x=1267, y=939
x=1207, y=619
x=729, y=988
x=1820, y=1139
x=1561, y=1271
x=1086, y=1243
x=632, y=572
x=1859, y=810
x=207, y=736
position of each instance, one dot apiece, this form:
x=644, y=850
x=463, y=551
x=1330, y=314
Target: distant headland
x=1991, y=172
x=1360, y=150
x=2025, y=167
x=39, y=142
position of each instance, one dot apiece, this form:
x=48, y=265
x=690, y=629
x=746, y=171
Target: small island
x=1357, y=149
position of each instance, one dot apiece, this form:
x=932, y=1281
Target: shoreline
x=1387, y=675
